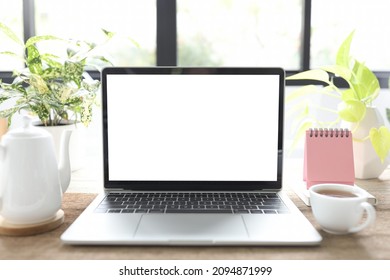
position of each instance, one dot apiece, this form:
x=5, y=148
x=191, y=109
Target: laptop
x=192, y=156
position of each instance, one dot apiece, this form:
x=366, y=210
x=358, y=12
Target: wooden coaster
x=7, y=228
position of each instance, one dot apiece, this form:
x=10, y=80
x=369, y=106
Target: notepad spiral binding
x=328, y=132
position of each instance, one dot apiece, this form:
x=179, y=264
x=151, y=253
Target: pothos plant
x=388, y=109
x=363, y=88
x=56, y=89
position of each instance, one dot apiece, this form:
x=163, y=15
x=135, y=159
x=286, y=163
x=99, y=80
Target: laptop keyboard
x=238, y=203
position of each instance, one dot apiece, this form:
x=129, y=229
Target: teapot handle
x=2, y=153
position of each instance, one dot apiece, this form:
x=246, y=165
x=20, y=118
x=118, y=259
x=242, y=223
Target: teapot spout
x=64, y=160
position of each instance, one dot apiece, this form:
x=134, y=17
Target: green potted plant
x=355, y=109
x=56, y=89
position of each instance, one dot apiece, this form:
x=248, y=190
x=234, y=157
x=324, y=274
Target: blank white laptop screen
x=192, y=127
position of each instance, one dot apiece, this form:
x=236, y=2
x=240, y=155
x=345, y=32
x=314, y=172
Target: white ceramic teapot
x=31, y=182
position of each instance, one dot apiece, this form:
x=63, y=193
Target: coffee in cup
x=337, y=193
x=339, y=208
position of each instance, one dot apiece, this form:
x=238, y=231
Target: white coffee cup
x=339, y=208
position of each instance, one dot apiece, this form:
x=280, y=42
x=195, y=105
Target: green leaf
x=91, y=45
x=71, y=52
x=73, y=71
x=348, y=94
x=380, y=140
x=343, y=56
x=13, y=88
x=365, y=83
x=388, y=114
x=90, y=86
x=109, y=34
x=340, y=71
x=301, y=91
x=36, y=39
x=103, y=59
x=8, y=113
x=3, y=98
x=7, y=31
x=98, y=62
x=34, y=62
x=134, y=42
x=52, y=73
x=352, y=110
x=48, y=58
x=12, y=54
x=39, y=84
x=315, y=74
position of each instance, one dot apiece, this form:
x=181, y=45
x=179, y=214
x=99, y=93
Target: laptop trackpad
x=191, y=227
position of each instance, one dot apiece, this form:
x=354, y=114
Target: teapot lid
x=27, y=130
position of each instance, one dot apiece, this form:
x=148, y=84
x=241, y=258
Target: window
x=10, y=15
x=132, y=20
x=239, y=33
x=331, y=25
x=293, y=34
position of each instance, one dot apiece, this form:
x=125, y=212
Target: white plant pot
x=77, y=143
x=367, y=163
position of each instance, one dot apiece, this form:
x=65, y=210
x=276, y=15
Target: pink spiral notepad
x=328, y=157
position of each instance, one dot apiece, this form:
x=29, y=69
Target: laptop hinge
x=113, y=190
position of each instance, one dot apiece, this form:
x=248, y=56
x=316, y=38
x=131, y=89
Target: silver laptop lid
x=200, y=129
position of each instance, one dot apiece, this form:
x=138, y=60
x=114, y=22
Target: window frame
x=166, y=39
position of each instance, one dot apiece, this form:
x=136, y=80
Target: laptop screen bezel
x=192, y=185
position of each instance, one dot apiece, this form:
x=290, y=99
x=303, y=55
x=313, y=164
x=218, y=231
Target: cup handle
x=371, y=215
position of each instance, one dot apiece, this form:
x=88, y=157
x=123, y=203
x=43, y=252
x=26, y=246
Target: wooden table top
x=371, y=243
